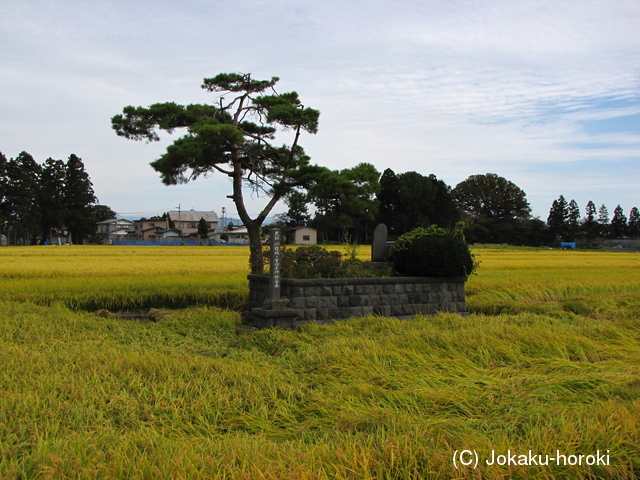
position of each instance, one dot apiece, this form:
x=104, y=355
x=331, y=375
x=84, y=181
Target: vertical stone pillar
x=275, y=262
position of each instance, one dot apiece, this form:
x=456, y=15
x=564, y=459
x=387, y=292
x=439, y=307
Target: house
x=147, y=230
x=114, y=229
x=303, y=236
x=238, y=236
x=187, y=222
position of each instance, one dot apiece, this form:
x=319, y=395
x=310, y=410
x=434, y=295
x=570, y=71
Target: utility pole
x=223, y=225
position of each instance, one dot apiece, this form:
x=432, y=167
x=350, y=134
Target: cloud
x=523, y=89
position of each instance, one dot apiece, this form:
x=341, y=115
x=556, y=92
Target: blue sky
x=543, y=93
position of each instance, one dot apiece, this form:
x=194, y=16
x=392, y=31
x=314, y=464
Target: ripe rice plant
x=198, y=395
x=125, y=278
x=594, y=284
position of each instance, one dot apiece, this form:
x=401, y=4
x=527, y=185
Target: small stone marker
x=275, y=311
x=275, y=261
x=379, y=245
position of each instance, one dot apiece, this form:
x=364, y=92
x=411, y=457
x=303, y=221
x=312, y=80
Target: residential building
x=238, y=236
x=303, y=236
x=187, y=222
x=148, y=230
x=115, y=229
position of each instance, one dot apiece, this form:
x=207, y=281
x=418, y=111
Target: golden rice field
x=548, y=363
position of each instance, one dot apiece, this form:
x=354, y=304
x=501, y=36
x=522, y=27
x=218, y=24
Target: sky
x=543, y=93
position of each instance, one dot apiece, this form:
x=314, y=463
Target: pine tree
x=603, y=220
x=573, y=219
x=78, y=200
x=589, y=223
x=22, y=191
x=203, y=229
x=618, y=225
x=558, y=219
x=4, y=198
x=51, y=199
x=634, y=223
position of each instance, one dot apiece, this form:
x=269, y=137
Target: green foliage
x=310, y=262
x=235, y=138
x=410, y=200
x=492, y=196
x=315, y=261
x=432, y=252
x=345, y=199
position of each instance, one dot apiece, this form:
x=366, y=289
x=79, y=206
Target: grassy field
x=549, y=361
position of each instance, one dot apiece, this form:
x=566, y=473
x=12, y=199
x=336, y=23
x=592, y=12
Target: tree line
x=41, y=202
x=566, y=223
x=492, y=208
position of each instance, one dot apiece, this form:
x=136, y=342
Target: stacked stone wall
x=323, y=299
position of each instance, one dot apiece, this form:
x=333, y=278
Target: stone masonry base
x=338, y=298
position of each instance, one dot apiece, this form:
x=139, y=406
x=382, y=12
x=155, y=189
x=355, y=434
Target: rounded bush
x=432, y=252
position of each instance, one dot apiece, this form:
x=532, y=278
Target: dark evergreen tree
x=52, y=188
x=78, y=200
x=100, y=213
x=203, y=229
x=5, y=207
x=573, y=220
x=590, y=226
x=388, y=199
x=603, y=220
x=618, y=226
x=22, y=190
x=634, y=223
x=558, y=219
x=345, y=201
x=410, y=200
x=298, y=213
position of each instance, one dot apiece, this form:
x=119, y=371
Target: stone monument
x=379, y=245
x=274, y=312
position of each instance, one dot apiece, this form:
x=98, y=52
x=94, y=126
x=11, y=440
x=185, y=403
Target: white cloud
x=453, y=87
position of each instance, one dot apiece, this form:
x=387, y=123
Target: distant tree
x=5, y=207
x=491, y=196
x=634, y=223
x=22, y=191
x=388, y=198
x=298, y=213
x=233, y=137
x=558, y=219
x=603, y=220
x=78, y=200
x=203, y=229
x=590, y=225
x=100, y=213
x=409, y=200
x=618, y=226
x=345, y=199
x=51, y=199
x=573, y=219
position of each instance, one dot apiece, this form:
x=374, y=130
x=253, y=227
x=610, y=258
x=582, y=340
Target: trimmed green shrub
x=317, y=262
x=432, y=252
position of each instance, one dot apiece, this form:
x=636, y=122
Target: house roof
x=116, y=220
x=153, y=228
x=304, y=226
x=192, y=216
